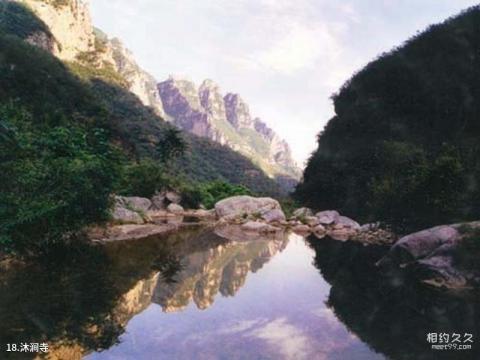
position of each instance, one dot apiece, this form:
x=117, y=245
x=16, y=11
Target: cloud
x=300, y=48
x=290, y=341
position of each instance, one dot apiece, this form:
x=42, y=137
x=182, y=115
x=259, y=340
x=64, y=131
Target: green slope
x=404, y=143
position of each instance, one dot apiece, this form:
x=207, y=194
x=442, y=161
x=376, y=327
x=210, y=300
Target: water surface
x=205, y=295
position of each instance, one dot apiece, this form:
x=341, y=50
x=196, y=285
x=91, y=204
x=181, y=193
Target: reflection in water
x=212, y=295
x=389, y=313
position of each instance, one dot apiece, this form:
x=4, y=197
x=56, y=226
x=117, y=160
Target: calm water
x=206, y=295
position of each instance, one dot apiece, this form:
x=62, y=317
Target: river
x=204, y=295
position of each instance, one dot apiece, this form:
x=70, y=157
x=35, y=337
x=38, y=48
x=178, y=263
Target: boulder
x=126, y=216
x=173, y=197
x=274, y=215
x=347, y=223
x=133, y=203
x=302, y=212
x=342, y=234
x=159, y=202
x=240, y=205
x=423, y=243
x=327, y=217
x=175, y=208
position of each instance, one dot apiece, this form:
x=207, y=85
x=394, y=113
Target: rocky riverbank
x=442, y=256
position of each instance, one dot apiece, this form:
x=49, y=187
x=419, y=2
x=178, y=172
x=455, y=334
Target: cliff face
x=205, y=112
x=72, y=38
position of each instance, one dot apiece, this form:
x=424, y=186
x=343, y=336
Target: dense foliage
x=404, y=144
x=71, y=135
x=57, y=178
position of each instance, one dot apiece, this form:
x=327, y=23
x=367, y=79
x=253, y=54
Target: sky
x=284, y=57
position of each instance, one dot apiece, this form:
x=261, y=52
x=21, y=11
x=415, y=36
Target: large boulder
x=173, y=197
x=175, y=208
x=245, y=205
x=423, y=243
x=327, y=217
x=125, y=216
x=159, y=202
x=434, y=254
x=343, y=221
x=133, y=203
x=274, y=215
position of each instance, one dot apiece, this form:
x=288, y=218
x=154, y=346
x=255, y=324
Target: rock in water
x=240, y=205
x=274, y=215
x=175, y=208
x=327, y=217
x=133, y=203
x=125, y=216
x=347, y=222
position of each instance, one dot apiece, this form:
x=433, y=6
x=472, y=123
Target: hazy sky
x=285, y=57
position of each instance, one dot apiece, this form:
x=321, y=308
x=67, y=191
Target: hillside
x=113, y=83
x=404, y=143
x=70, y=36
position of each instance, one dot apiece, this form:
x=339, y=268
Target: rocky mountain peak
x=238, y=112
x=226, y=119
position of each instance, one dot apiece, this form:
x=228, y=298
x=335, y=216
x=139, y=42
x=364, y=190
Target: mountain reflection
x=80, y=300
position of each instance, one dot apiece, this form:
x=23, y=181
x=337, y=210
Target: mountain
x=108, y=74
x=67, y=32
x=404, y=145
x=206, y=112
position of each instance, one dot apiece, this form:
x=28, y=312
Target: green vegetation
x=404, y=144
x=71, y=135
x=58, y=177
x=18, y=19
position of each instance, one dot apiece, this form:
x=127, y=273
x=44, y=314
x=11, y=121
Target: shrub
x=57, y=178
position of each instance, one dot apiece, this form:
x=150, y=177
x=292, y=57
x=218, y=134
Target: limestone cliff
x=205, y=112
x=73, y=38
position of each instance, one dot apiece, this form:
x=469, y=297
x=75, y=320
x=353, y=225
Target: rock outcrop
x=242, y=206
x=440, y=256
x=226, y=119
x=73, y=38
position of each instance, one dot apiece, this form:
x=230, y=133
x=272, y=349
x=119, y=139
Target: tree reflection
x=390, y=312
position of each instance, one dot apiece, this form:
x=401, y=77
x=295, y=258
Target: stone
x=126, y=216
x=175, y=208
x=327, y=217
x=158, y=202
x=240, y=205
x=422, y=243
x=274, y=215
x=134, y=203
x=347, y=223
x=302, y=212
x=341, y=234
x=173, y=197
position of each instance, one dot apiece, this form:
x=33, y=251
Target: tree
x=172, y=145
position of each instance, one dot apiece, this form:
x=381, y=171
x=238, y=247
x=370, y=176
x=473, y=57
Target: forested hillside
x=70, y=133
x=404, y=144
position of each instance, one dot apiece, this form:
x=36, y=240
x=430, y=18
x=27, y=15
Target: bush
x=57, y=178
